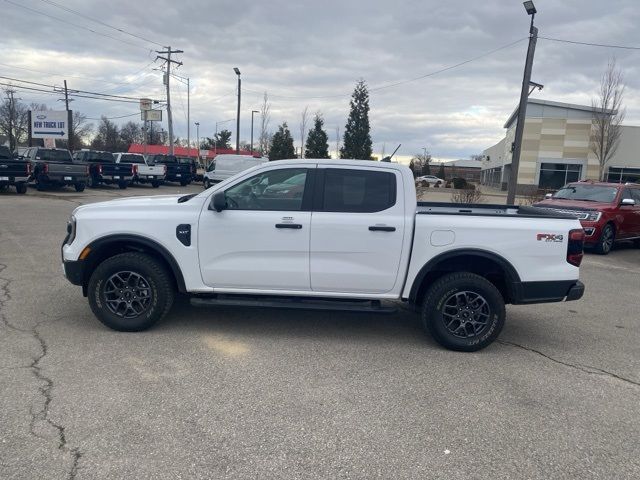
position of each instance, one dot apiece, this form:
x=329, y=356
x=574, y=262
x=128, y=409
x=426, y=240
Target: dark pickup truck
x=13, y=170
x=104, y=169
x=177, y=169
x=54, y=167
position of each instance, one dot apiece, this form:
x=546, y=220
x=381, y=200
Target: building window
x=623, y=175
x=492, y=176
x=556, y=175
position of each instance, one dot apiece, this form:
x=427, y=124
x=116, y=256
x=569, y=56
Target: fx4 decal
x=549, y=237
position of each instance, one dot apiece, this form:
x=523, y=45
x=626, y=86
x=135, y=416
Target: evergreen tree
x=441, y=172
x=222, y=139
x=317, y=146
x=282, y=144
x=357, y=140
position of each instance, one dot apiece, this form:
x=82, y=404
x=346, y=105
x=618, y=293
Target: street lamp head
x=255, y=111
x=237, y=70
x=530, y=7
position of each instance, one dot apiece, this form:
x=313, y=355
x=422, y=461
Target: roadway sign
x=146, y=104
x=50, y=124
x=151, y=115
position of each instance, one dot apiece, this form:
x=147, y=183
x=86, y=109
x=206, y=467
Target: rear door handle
x=381, y=228
x=294, y=226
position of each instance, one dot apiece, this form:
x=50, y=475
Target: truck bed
x=520, y=211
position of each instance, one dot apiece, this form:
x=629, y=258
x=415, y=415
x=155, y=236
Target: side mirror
x=628, y=201
x=219, y=201
x=548, y=195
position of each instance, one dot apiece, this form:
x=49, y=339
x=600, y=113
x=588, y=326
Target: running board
x=301, y=303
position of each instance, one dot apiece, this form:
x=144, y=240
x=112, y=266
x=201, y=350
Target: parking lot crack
x=47, y=384
x=583, y=368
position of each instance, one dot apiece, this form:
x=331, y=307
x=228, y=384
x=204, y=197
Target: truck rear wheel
x=155, y=184
x=463, y=311
x=130, y=292
x=183, y=183
x=79, y=187
x=122, y=185
x=21, y=188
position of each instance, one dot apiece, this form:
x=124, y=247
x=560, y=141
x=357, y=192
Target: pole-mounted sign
x=146, y=104
x=50, y=124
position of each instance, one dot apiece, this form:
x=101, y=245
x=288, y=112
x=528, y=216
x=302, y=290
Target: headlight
x=71, y=230
x=594, y=216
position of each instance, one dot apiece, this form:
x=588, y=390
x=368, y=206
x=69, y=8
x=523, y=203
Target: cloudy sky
x=311, y=53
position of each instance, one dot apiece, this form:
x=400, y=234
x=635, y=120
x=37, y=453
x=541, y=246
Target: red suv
x=608, y=212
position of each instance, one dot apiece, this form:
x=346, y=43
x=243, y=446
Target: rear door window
x=358, y=191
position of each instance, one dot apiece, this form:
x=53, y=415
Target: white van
x=227, y=165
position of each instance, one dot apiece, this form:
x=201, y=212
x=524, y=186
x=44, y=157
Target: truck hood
x=563, y=204
x=151, y=202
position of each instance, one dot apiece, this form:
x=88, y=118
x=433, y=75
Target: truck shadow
x=401, y=326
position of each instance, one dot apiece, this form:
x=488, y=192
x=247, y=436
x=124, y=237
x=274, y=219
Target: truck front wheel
x=130, y=292
x=463, y=311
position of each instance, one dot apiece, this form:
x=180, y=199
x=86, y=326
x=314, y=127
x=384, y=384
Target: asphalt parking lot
x=246, y=393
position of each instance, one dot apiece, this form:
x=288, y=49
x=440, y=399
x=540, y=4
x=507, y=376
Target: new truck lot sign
x=49, y=124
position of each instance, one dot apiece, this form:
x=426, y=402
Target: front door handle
x=381, y=228
x=294, y=226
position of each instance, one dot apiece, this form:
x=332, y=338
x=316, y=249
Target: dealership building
x=556, y=150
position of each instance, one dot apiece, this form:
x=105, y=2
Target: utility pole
x=198, y=139
x=70, y=142
x=522, y=108
x=168, y=53
x=12, y=145
x=188, y=115
x=252, y=112
x=235, y=69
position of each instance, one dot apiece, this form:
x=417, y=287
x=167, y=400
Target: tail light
x=29, y=170
x=99, y=169
x=575, y=248
x=134, y=169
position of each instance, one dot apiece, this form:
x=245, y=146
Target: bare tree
x=265, y=117
x=608, y=115
x=304, y=119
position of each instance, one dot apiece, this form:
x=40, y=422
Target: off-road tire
x=439, y=296
x=160, y=285
x=79, y=187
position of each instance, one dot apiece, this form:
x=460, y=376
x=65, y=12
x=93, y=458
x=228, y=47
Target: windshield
x=100, y=157
x=164, y=159
x=53, y=155
x=184, y=160
x=587, y=193
x=131, y=158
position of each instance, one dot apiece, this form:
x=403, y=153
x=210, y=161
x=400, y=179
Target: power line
x=75, y=12
x=78, y=77
x=604, y=45
x=76, y=25
x=402, y=82
x=115, y=118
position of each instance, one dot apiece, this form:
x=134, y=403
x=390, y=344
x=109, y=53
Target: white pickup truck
x=323, y=234
x=143, y=172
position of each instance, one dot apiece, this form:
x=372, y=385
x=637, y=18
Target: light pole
x=252, y=112
x=215, y=137
x=235, y=69
x=522, y=108
x=197, y=124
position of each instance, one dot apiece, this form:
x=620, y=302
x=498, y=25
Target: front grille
x=579, y=214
